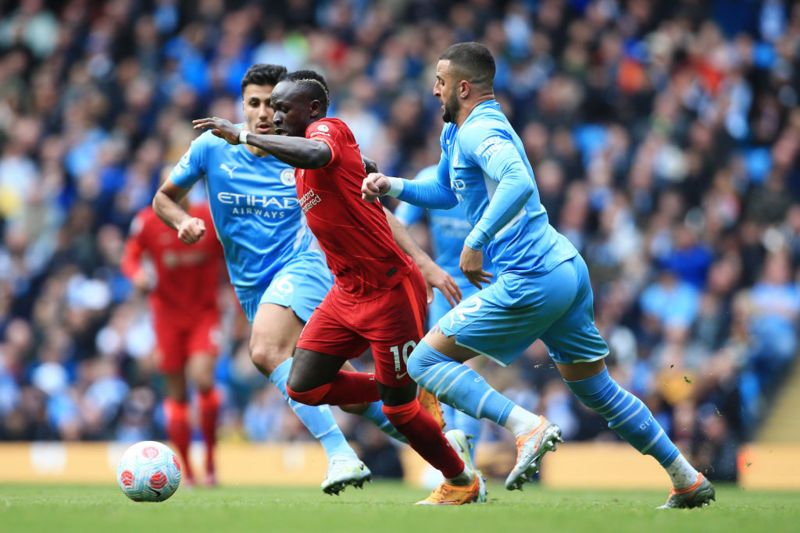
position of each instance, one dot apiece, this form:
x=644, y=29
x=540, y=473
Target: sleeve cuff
x=395, y=187
x=476, y=239
x=331, y=146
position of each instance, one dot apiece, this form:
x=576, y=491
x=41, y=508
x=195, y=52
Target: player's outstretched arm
x=433, y=193
x=167, y=205
x=298, y=152
x=434, y=275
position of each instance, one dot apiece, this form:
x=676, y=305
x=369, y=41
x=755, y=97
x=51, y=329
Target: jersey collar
x=488, y=104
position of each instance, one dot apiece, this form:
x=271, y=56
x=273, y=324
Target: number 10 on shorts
x=397, y=352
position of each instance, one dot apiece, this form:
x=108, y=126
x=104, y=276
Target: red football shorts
x=391, y=323
x=176, y=342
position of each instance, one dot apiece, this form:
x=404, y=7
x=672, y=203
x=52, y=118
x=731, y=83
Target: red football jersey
x=187, y=275
x=354, y=234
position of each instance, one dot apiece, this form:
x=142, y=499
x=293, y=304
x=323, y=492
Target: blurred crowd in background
x=665, y=138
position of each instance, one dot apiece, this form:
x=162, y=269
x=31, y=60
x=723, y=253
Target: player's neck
x=466, y=109
x=258, y=152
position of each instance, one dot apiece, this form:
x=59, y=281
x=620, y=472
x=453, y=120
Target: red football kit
x=184, y=300
x=378, y=298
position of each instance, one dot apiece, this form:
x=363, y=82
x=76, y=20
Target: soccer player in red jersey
x=183, y=300
x=379, y=296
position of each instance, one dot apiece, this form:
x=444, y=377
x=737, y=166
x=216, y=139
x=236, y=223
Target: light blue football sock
x=374, y=414
x=457, y=384
x=627, y=415
x=449, y=414
x=318, y=419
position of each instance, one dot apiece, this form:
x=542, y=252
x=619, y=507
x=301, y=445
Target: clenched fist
x=191, y=230
x=374, y=186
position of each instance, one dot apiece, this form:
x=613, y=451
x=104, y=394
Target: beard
x=451, y=109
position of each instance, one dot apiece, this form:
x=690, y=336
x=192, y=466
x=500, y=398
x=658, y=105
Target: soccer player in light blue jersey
x=542, y=288
x=448, y=229
x=278, y=273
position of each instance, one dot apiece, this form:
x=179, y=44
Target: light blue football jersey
x=448, y=229
x=476, y=156
x=253, y=204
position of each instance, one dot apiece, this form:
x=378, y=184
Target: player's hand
x=191, y=230
x=436, y=277
x=471, y=264
x=374, y=186
x=142, y=281
x=224, y=129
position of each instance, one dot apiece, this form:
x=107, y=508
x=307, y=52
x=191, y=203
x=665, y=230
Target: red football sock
x=346, y=388
x=179, y=432
x=425, y=436
x=209, y=410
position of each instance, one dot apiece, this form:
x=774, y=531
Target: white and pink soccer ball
x=149, y=472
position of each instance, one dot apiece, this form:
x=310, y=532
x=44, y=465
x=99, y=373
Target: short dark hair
x=263, y=74
x=472, y=61
x=313, y=83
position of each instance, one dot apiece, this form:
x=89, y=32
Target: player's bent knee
x=267, y=356
x=201, y=372
x=415, y=366
x=421, y=360
x=315, y=396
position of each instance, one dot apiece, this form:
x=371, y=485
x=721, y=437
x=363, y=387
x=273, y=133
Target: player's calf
x=425, y=437
x=374, y=413
x=462, y=484
x=456, y=384
x=629, y=417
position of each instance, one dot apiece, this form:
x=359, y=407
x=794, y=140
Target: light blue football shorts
x=506, y=317
x=300, y=285
x=440, y=306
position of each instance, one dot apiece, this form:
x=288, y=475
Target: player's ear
x=464, y=89
x=315, y=108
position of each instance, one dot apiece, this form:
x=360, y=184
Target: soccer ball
x=148, y=472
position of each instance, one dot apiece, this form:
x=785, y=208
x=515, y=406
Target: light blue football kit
x=534, y=263
x=258, y=219
x=542, y=288
x=270, y=253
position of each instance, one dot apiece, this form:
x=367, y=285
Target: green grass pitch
x=385, y=508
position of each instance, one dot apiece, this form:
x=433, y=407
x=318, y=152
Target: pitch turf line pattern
x=387, y=508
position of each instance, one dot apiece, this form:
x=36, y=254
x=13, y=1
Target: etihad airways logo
x=257, y=204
